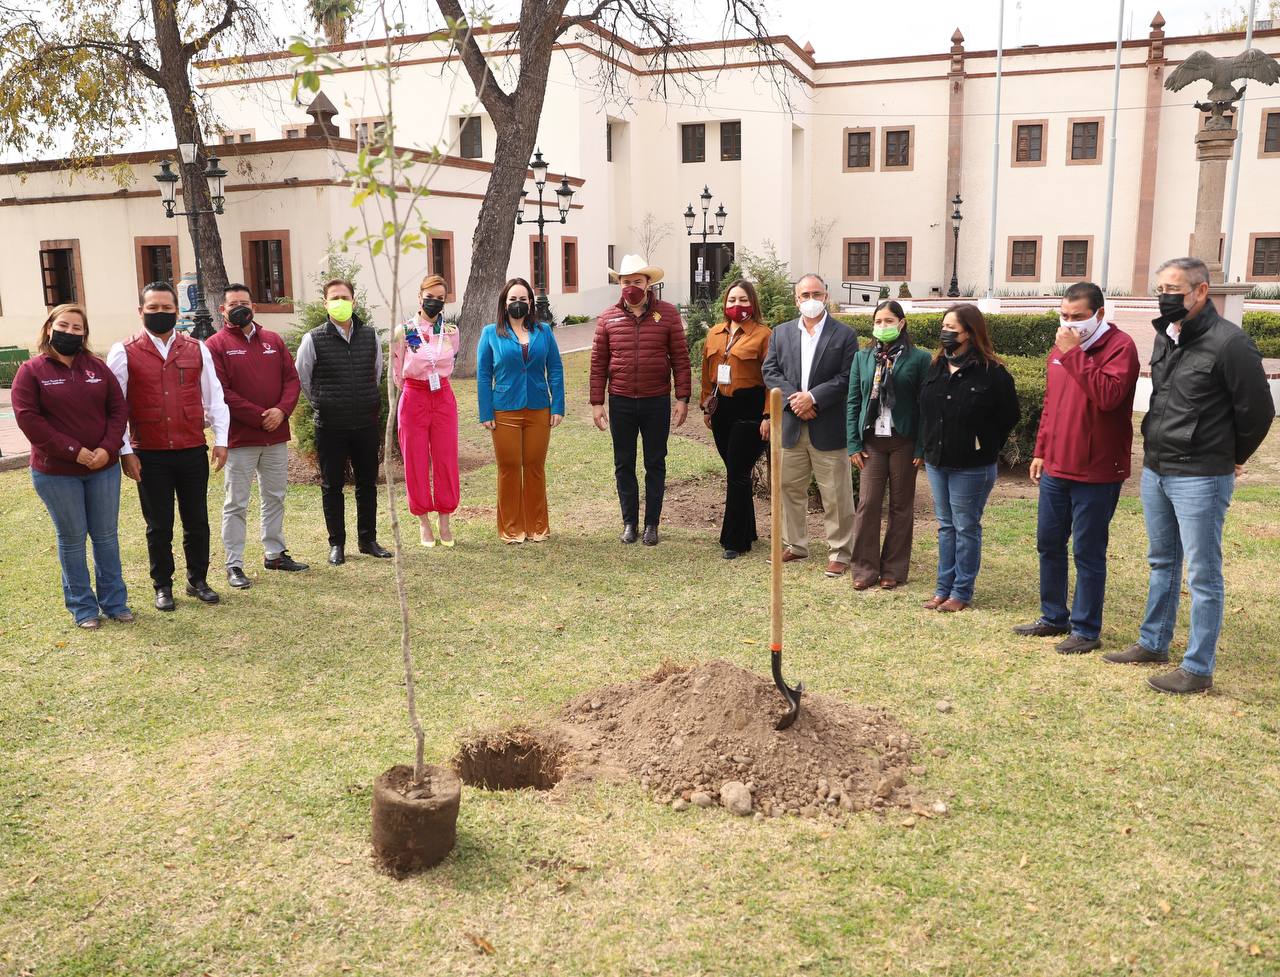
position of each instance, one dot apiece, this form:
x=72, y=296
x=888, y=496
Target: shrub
x=577, y=320
x=1264, y=329
x=904, y=291
x=1013, y=334
x=1029, y=380
x=311, y=314
x=772, y=279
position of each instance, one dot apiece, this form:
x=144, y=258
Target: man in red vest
x=172, y=390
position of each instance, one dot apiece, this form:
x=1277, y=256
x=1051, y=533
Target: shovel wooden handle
x=775, y=519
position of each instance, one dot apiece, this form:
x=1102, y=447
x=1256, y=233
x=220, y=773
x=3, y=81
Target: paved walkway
x=11, y=440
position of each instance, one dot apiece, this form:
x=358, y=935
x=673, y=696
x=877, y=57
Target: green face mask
x=339, y=309
x=886, y=334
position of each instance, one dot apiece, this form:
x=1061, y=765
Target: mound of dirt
x=701, y=735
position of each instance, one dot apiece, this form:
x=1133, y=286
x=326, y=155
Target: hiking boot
x=1135, y=654
x=1180, y=682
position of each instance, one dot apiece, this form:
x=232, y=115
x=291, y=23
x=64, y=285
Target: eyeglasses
x=1172, y=290
x=818, y=294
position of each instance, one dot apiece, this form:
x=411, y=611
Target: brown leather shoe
x=863, y=584
x=952, y=606
x=933, y=603
x=888, y=583
x=1136, y=654
x=789, y=557
x=1180, y=682
x=835, y=569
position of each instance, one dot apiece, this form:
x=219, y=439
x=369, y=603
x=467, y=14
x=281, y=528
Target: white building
x=880, y=146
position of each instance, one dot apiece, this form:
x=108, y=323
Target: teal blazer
x=908, y=374
x=504, y=381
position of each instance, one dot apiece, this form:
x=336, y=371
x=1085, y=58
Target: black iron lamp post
x=565, y=197
x=168, y=180
x=954, y=291
x=719, y=217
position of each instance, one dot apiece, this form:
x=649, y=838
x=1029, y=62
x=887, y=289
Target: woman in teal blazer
x=520, y=387
x=882, y=421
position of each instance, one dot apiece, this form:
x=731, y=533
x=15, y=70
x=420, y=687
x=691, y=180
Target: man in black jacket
x=1210, y=409
x=340, y=368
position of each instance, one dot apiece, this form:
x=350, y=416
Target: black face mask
x=518, y=310
x=949, y=340
x=159, y=322
x=66, y=343
x=1172, y=306
x=432, y=306
x=240, y=316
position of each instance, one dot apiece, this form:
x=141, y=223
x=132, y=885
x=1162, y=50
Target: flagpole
x=1111, y=161
x=1235, y=159
x=995, y=161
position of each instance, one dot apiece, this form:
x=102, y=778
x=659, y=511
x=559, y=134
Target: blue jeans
x=959, y=496
x=1081, y=512
x=1184, y=515
x=86, y=505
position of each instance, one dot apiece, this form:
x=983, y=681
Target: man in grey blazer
x=809, y=360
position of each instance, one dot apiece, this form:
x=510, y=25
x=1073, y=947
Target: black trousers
x=335, y=448
x=183, y=474
x=648, y=418
x=736, y=428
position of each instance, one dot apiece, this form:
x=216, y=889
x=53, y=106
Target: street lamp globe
x=705, y=197
x=168, y=181
x=956, y=218
x=215, y=174
x=689, y=217
x=565, y=193
x=721, y=216
x=539, y=167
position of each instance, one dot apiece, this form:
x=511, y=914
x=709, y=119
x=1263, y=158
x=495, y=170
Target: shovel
x=775, y=562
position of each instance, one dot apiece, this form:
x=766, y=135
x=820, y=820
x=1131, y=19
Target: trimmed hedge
x=1264, y=329
x=1013, y=334
x=1029, y=380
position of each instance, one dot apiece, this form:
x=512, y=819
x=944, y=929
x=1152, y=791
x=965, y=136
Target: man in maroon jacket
x=1082, y=459
x=261, y=388
x=639, y=346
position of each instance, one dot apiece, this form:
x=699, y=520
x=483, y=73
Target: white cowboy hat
x=634, y=264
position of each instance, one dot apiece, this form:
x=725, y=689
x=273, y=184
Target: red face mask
x=633, y=294
x=738, y=313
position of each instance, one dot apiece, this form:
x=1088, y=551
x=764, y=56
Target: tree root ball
x=414, y=825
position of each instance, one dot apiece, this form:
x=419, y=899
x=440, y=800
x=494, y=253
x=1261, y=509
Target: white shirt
x=808, y=346
x=216, y=414
x=1173, y=330
x=304, y=361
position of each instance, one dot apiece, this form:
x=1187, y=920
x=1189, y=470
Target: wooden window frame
x=71, y=244
x=463, y=120
x=1013, y=143
x=690, y=125
x=533, y=275
x=1253, y=244
x=372, y=120
x=871, y=150
x=1262, y=135
x=247, y=238
x=884, y=149
x=880, y=254
x=1039, y=243
x=1088, y=262
x=730, y=122
x=871, y=257
x=139, y=243
x=450, y=284
x=1071, y=136
x=565, y=287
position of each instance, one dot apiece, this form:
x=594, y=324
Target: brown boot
x=1180, y=682
x=1135, y=654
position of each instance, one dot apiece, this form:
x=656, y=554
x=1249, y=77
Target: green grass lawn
x=190, y=795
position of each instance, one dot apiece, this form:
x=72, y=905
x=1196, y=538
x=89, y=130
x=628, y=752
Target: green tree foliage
x=333, y=17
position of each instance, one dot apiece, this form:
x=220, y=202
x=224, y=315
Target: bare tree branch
x=198, y=44
x=499, y=104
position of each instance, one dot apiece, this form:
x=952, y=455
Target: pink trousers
x=427, y=424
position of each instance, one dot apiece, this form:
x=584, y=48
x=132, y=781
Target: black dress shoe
x=284, y=562
x=164, y=598
x=629, y=534
x=1040, y=629
x=730, y=554
x=373, y=549
x=337, y=556
x=650, y=537
x=237, y=579
x=202, y=592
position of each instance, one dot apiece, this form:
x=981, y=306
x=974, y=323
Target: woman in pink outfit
x=427, y=419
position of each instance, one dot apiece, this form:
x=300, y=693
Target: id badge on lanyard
x=433, y=378
x=724, y=373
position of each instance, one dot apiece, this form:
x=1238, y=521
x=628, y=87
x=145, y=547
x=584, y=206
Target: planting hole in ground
x=511, y=759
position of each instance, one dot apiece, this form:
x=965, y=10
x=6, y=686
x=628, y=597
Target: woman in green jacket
x=884, y=382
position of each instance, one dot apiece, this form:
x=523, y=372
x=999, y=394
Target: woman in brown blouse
x=733, y=406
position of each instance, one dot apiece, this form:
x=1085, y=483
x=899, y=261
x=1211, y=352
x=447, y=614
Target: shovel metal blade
x=791, y=695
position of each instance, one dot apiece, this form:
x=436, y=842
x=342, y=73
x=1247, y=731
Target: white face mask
x=812, y=308
x=1083, y=329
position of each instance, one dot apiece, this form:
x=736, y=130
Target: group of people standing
x=887, y=409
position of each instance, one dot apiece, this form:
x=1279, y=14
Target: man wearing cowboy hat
x=638, y=347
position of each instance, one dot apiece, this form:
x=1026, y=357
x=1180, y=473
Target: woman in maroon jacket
x=70, y=407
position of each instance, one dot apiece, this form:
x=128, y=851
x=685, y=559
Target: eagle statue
x=1220, y=73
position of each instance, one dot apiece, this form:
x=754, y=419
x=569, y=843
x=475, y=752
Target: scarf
x=967, y=358
x=882, y=392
